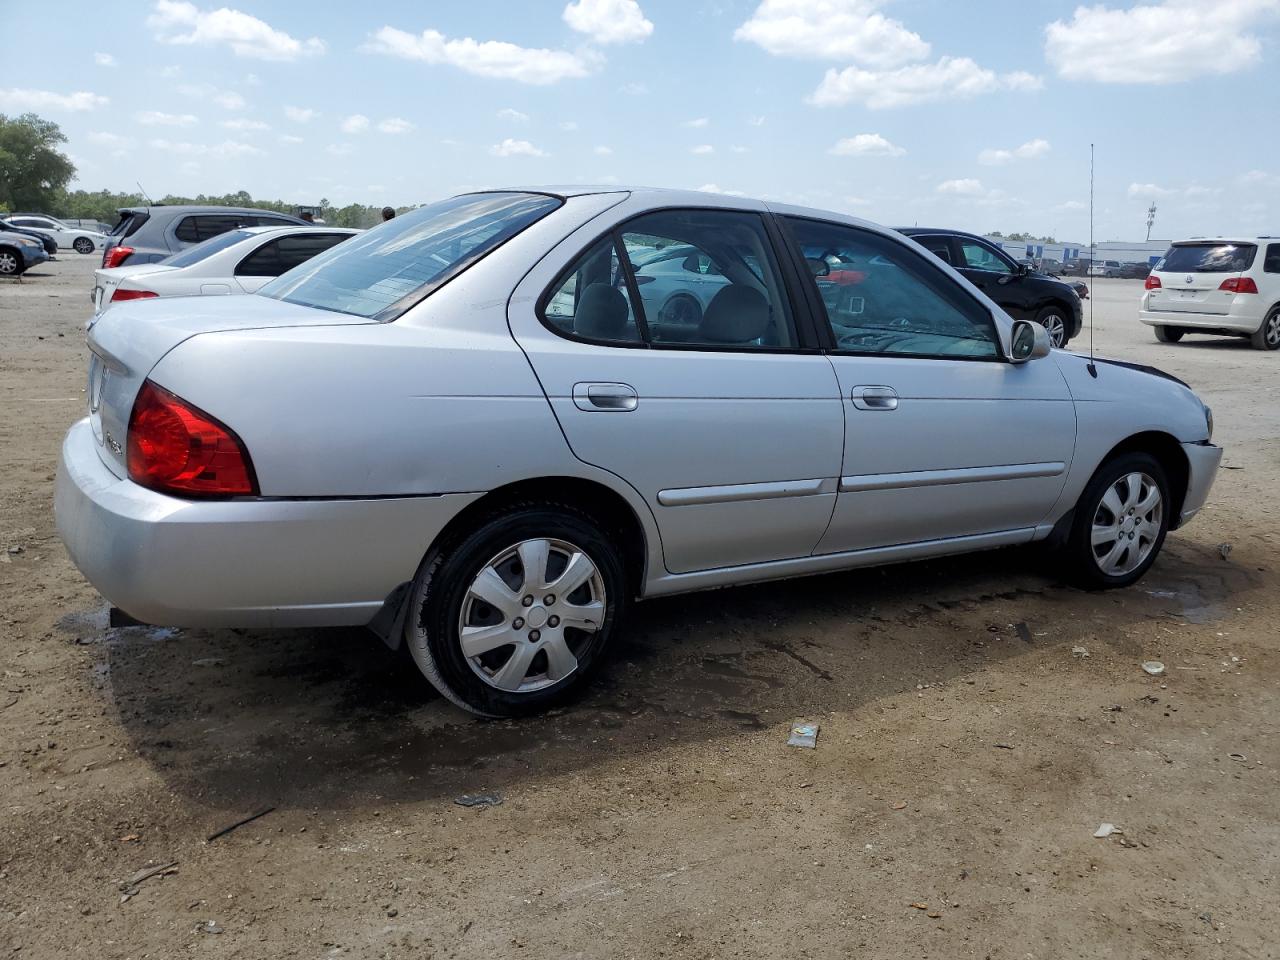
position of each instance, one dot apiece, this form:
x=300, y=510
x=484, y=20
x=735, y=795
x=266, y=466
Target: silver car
x=469, y=430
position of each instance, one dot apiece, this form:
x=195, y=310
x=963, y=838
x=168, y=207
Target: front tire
x=10, y=262
x=1267, y=336
x=82, y=245
x=1054, y=321
x=1167, y=334
x=1120, y=522
x=514, y=617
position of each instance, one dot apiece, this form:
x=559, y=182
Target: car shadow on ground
x=332, y=718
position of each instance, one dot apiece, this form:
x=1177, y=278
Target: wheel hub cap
x=1126, y=524
x=530, y=613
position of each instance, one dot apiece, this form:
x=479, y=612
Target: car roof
x=934, y=231
x=202, y=208
x=1222, y=240
x=300, y=228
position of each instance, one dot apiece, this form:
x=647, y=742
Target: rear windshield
x=386, y=270
x=1208, y=258
x=207, y=249
x=128, y=224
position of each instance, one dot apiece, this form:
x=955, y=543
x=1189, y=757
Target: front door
x=671, y=357
x=994, y=274
x=944, y=437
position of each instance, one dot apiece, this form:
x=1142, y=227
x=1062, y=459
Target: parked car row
x=484, y=428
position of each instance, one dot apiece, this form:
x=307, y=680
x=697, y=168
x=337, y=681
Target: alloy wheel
x=1273, y=330
x=1126, y=524
x=8, y=263
x=529, y=613
x=1057, y=328
x=83, y=245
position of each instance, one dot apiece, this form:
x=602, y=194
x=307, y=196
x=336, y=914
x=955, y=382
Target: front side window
x=384, y=271
x=884, y=299
x=978, y=256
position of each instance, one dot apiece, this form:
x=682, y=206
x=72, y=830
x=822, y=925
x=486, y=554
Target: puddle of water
x=1194, y=608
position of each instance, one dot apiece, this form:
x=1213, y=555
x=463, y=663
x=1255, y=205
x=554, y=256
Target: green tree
x=33, y=172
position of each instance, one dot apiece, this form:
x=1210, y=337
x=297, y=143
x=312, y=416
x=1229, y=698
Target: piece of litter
x=239, y=823
x=803, y=735
x=1023, y=632
x=1153, y=667
x=208, y=662
x=1106, y=830
x=1080, y=653
x=900, y=805
x=210, y=926
x=933, y=915
x=929, y=716
x=1004, y=746
x=1224, y=550
x=478, y=800
x=919, y=906
x=1238, y=757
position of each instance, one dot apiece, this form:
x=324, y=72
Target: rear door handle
x=605, y=397
x=874, y=398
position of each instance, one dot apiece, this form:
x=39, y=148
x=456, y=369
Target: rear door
x=1192, y=276
x=725, y=417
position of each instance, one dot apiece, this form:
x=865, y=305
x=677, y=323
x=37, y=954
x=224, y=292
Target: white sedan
x=67, y=236
x=238, y=261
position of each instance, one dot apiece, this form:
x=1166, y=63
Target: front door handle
x=605, y=397
x=874, y=398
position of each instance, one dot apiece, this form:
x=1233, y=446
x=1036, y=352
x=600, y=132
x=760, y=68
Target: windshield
x=202, y=251
x=383, y=272
x=1209, y=258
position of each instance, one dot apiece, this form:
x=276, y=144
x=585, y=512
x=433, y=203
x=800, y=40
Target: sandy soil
x=948, y=810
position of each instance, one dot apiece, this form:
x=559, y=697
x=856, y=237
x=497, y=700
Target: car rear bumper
x=1233, y=322
x=1203, y=460
x=238, y=563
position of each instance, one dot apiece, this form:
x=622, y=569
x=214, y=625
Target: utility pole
x=1151, y=218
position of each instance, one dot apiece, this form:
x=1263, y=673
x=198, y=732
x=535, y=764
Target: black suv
x=1021, y=292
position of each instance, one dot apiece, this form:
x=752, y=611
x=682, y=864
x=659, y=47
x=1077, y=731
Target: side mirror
x=1028, y=341
x=819, y=268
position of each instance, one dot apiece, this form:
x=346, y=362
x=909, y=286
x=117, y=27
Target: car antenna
x=1092, y=367
x=144, y=196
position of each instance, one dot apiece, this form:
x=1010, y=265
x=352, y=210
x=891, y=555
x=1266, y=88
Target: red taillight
x=122, y=295
x=1239, y=285
x=175, y=448
x=1153, y=282
x=116, y=256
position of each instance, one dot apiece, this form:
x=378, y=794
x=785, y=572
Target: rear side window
x=1209, y=258
x=202, y=227
x=1272, y=263
x=128, y=224
x=939, y=246
x=591, y=300
x=383, y=272
x=284, y=253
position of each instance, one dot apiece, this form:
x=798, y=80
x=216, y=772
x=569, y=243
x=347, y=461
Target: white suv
x=1221, y=286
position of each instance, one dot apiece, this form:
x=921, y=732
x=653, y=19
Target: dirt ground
x=965, y=759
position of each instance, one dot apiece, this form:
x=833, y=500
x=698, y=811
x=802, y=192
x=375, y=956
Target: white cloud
x=226, y=149
x=356, y=123
x=339, y=149
x=105, y=60
x=703, y=149
x=756, y=121
x=394, y=125
x=845, y=30
x=515, y=148
x=488, y=58
x=608, y=21
x=251, y=79
x=716, y=188
x=103, y=139
x=856, y=202
x=866, y=145
x=301, y=114
x=695, y=124
x=1168, y=42
x=962, y=188
x=1148, y=190
x=568, y=126
x=1073, y=205
x=180, y=22
x=244, y=125
x=603, y=151
x=1031, y=150
x=289, y=138
x=17, y=100
x=634, y=89
x=951, y=78
x=515, y=116
x=739, y=149
x=157, y=118
x=227, y=99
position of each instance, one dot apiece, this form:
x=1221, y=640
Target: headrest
x=736, y=314
x=602, y=313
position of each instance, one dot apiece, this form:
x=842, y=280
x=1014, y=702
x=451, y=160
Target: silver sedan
x=470, y=430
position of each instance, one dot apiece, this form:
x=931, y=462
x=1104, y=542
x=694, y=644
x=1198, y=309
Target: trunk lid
x=107, y=279
x=1191, y=276
x=126, y=342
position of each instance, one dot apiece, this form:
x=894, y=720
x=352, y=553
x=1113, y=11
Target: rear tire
x=1167, y=334
x=495, y=590
x=1267, y=336
x=82, y=245
x=1120, y=523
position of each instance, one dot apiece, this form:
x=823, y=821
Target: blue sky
x=903, y=111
